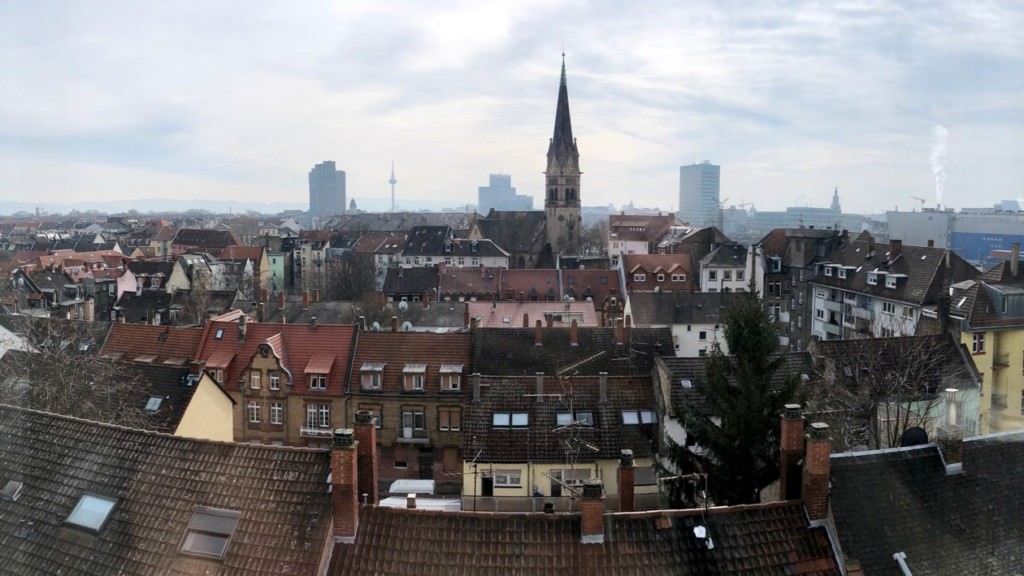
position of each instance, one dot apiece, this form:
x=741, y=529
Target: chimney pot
x=394, y=323
x=538, y=337
x=627, y=481
x=592, y=512
x=1015, y=259
x=343, y=437
x=410, y=501
x=817, y=466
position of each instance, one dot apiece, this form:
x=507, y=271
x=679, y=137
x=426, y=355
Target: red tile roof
x=397, y=349
x=521, y=284
x=164, y=342
x=320, y=363
x=294, y=344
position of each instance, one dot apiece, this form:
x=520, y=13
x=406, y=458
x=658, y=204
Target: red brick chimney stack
x=538, y=337
x=573, y=334
x=394, y=323
x=526, y=320
x=791, y=452
x=895, y=249
x=366, y=450
x=280, y=299
x=816, y=471
x=344, y=500
x=627, y=481
x=618, y=331
x=316, y=295
x=628, y=337
x=1015, y=259
x=465, y=316
x=592, y=512
x=539, y=379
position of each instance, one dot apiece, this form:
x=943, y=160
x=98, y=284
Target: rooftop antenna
x=392, y=182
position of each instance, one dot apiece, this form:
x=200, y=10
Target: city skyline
x=885, y=102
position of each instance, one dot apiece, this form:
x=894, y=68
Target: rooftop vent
x=12, y=490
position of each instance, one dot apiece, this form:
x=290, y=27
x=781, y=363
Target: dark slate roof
x=693, y=370
x=168, y=383
x=460, y=222
x=151, y=267
x=38, y=329
x=598, y=285
x=543, y=440
x=158, y=481
x=764, y=539
x=410, y=281
x=513, y=351
x=664, y=308
x=426, y=240
x=903, y=500
x=799, y=247
x=921, y=266
x=143, y=307
x=726, y=256
x=207, y=239
x=517, y=232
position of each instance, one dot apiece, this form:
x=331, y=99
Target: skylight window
x=91, y=512
x=153, y=404
x=219, y=334
x=209, y=532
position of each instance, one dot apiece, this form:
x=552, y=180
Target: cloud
x=244, y=97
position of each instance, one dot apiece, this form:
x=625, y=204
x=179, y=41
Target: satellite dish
x=403, y=305
x=375, y=326
x=914, y=436
x=406, y=326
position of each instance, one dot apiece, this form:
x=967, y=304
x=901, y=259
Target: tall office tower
x=562, y=201
x=501, y=195
x=326, y=189
x=698, y=193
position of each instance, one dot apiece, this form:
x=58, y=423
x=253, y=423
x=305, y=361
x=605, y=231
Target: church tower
x=562, y=197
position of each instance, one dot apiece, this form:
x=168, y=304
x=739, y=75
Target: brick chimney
x=592, y=512
x=410, y=501
x=305, y=299
x=791, y=452
x=366, y=450
x=344, y=498
x=950, y=436
x=550, y=320
x=538, y=337
x=627, y=480
x=475, y=379
x=474, y=324
x=241, y=327
x=1015, y=259
x=280, y=299
x=602, y=381
x=394, y=323
x=526, y=320
x=540, y=386
x=628, y=336
x=816, y=471
x=618, y=332
x=573, y=334
x=263, y=294
x=895, y=249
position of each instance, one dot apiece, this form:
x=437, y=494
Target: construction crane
x=921, y=200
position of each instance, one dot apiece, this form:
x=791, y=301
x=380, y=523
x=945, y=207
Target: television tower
x=392, y=182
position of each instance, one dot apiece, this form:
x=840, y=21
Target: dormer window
x=775, y=264
x=828, y=271
x=414, y=377
x=872, y=279
x=661, y=277
x=371, y=374
x=638, y=277
x=318, y=381
x=890, y=281
x=679, y=277
x=451, y=377
x=842, y=273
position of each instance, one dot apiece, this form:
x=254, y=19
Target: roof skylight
x=91, y=511
x=209, y=532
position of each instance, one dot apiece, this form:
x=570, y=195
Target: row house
x=309, y=259
x=468, y=284
x=198, y=240
x=434, y=245
x=659, y=273
x=508, y=314
x=732, y=268
x=254, y=257
x=288, y=380
x=989, y=315
x=636, y=234
x=864, y=290
x=791, y=257
x=414, y=385
x=535, y=440
x=697, y=319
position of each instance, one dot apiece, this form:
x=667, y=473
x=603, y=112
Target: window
x=153, y=404
x=639, y=277
x=449, y=419
x=819, y=313
x=506, y=419
x=414, y=376
x=275, y=381
x=217, y=374
x=254, y=411
x=888, y=332
x=842, y=273
x=209, y=532
x=712, y=275
x=888, y=308
x=828, y=271
x=318, y=415
x=276, y=413
x=571, y=476
x=661, y=277
x=776, y=264
x=254, y=380
x=317, y=381
x=702, y=335
x=872, y=279
x=413, y=418
x=890, y=281
x=679, y=277
x=978, y=343
x=739, y=275
x=371, y=375
x=91, y=512
x=633, y=417
x=1022, y=403
x=583, y=418
x=727, y=275
x=451, y=382
x=507, y=478
x=908, y=312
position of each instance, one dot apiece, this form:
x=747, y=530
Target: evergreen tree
x=738, y=425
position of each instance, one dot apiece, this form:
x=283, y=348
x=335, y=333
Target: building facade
x=698, y=193
x=562, y=200
x=326, y=189
x=501, y=195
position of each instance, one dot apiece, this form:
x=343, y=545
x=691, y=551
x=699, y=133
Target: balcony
x=864, y=314
x=315, y=432
x=1001, y=360
x=999, y=401
x=413, y=436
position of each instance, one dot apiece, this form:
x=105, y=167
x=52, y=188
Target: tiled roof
x=297, y=344
x=37, y=329
x=921, y=267
x=653, y=264
x=726, y=256
x=402, y=221
x=242, y=253
x=513, y=351
x=510, y=314
x=151, y=267
x=207, y=239
x=410, y=281
x=515, y=231
x=903, y=500
x=397, y=349
x=937, y=359
x=543, y=439
x=168, y=384
x=477, y=282
x=598, y=285
x=126, y=341
x=664, y=308
x=798, y=247
x=426, y=240
x=158, y=481
x=764, y=539
x=530, y=285
x=145, y=306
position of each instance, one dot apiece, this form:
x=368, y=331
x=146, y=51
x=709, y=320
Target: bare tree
x=594, y=238
x=58, y=370
x=350, y=276
x=877, y=389
x=199, y=294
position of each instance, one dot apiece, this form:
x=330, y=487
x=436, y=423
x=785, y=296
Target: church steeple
x=562, y=196
x=835, y=200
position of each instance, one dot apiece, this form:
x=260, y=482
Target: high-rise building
x=698, y=194
x=326, y=189
x=501, y=195
x=562, y=200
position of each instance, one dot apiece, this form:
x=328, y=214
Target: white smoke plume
x=939, y=160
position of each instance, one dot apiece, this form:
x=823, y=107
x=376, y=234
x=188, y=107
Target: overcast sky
x=119, y=100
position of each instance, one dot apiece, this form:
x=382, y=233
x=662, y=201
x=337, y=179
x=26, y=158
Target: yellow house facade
x=209, y=413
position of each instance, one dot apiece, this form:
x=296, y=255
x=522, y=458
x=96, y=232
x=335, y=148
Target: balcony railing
x=315, y=432
x=413, y=436
x=999, y=401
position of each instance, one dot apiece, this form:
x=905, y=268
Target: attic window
x=890, y=282
x=209, y=532
x=828, y=270
x=842, y=273
x=633, y=417
x=872, y=279
x=686, y=383
x=153, y=404
x=219, y=334
x=91, y=512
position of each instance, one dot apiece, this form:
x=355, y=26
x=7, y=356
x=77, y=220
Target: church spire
x=563, y=145
x=562, y=178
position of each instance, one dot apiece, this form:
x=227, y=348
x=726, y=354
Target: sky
x=237, y=100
